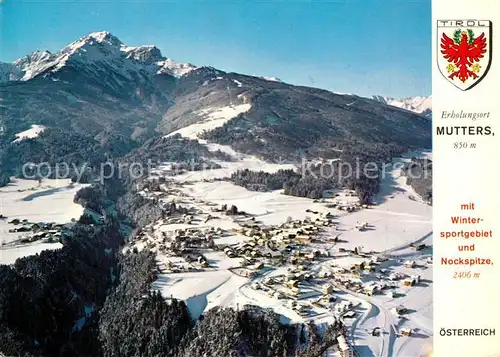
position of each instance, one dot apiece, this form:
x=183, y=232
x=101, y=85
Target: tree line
x=418, y=174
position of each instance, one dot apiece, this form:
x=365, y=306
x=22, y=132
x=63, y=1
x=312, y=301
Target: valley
x=250, y=259
x=308, y=260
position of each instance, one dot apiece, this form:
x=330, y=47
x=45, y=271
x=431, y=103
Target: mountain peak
x=103, y=36
x=173, y=68
x=148, y=54
x=98, y=49
x=33, y=57
x=99, y=35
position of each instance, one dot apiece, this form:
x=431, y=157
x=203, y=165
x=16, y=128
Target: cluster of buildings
x=277, y=243
x=299, y=245
x=290, y=285
x=31, y=232
x=300, y=286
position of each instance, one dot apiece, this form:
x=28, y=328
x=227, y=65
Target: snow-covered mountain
x=419, y=105
x=98, y=48
x=99, y=87
x=100, y=55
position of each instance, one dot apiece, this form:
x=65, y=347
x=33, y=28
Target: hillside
x=117, y=97
x=284, y=119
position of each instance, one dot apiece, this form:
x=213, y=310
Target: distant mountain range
x=420, y=105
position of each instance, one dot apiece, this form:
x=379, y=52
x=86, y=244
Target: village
x=323, y=260
x=30, y=221
x=49, y=232
x=305, y=265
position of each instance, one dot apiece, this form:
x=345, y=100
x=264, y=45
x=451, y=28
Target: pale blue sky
x=363, y=47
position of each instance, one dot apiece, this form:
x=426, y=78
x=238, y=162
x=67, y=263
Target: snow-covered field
x=50, y=201
x=31, y=133
x=268, y=207
x=211, y=119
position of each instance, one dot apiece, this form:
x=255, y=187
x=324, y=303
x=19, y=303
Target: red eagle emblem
x=463, y=53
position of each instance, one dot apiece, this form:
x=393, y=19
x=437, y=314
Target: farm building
x=303, y=239
x=406, y=332
x=327, y=289
x=400, y=310
x=417, y=246
x=408, y=282
x=409, y=264
x=344, y=347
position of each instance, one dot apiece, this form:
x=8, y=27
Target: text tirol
x=463, y=23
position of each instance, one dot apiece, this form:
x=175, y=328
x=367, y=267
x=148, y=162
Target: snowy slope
x=50, y=201
x=212, y=118
x=31, y=133
x=98, y=48
x=272, y=79
x=420, y=105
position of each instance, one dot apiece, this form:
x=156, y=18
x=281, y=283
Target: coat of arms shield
x=464, y=51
